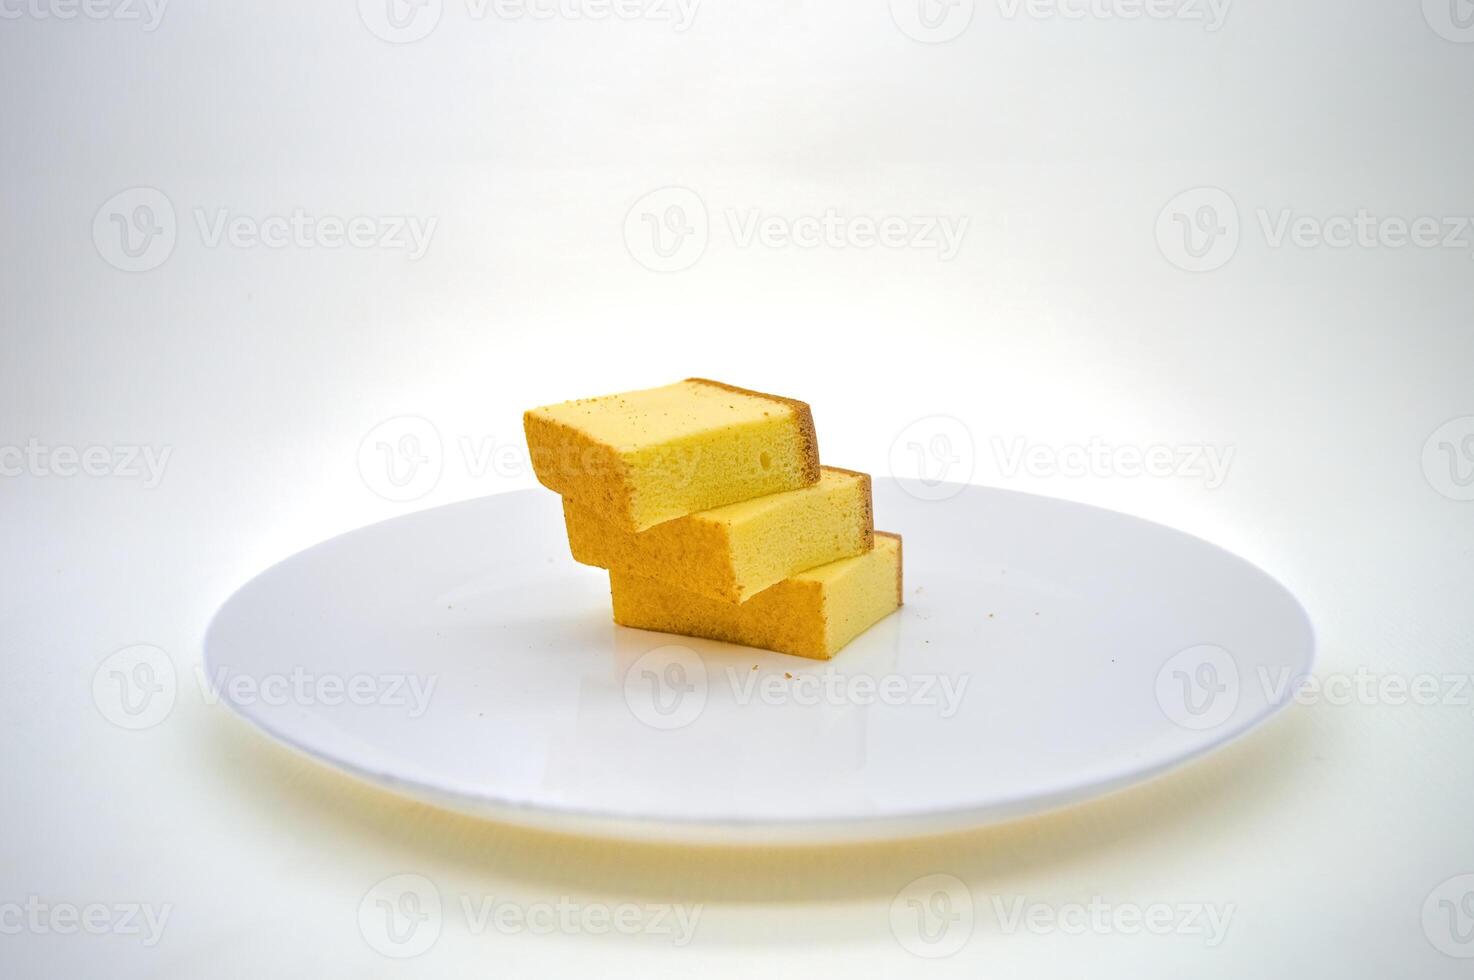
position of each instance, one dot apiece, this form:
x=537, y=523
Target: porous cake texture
x=644, y=457
x=732, y=553
x=813, y=614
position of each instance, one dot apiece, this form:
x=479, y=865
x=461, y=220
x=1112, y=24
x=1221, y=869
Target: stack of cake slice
x=709, y=508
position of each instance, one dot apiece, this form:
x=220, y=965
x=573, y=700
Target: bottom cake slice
x=813, y=614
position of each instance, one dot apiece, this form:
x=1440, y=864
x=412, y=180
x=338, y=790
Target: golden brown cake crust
x=614, y=494
x=803, y=415
x=869, y=502
x=900, y=566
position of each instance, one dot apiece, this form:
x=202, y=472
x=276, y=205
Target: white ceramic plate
x=1047, y=652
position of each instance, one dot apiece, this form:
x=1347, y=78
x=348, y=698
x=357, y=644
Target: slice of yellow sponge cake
x=813, y=614
x=645, y=457
x=734, y=552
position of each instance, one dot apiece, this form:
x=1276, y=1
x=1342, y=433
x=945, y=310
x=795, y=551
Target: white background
x=1338, y=377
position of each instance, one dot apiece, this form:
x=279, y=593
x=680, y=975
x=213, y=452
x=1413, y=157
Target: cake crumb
x=788, y=675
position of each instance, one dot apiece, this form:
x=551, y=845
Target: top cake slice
x=645, y=457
